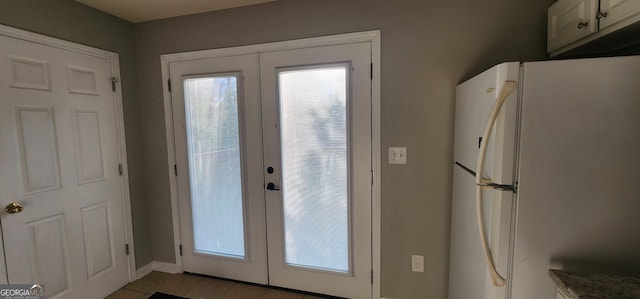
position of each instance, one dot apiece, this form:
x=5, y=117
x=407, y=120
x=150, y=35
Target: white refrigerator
x=557, y=144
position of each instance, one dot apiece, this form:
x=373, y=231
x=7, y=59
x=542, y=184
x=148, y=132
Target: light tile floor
x=200, y=287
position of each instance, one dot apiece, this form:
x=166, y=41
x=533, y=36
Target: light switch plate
x=417, y=263
x=397, y=155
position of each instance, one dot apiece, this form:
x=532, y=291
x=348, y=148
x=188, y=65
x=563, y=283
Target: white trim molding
x=166, y=267
x=119, y=114
x=373, y=37
x=144, y=270
x=156, y=266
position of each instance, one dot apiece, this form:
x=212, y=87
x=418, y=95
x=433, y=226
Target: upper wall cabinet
x=569, y=21
x=574, y=23
x=614, y=11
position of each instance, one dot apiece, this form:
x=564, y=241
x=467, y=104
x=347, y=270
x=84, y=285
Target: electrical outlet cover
x=397, y=155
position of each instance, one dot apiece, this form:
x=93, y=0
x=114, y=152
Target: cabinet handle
x=583, y=25
x=601, y=15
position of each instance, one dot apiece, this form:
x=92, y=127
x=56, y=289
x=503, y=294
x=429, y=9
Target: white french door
x=278, y=151
x=218, y=139
x=60, y=178
x=316, y=105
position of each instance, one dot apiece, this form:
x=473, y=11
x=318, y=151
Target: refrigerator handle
x=507, y=88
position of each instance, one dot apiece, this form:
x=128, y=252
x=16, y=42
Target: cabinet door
x=614, y=11
x=570, y=20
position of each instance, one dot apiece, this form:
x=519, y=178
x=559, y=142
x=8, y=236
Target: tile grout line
x=200, y=280
x=228, y=290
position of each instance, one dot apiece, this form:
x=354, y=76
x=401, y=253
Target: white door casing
x=63, y=159
x=370, y=41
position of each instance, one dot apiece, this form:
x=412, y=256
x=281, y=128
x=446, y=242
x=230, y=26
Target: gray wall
x=427, y=48
x=69, y=20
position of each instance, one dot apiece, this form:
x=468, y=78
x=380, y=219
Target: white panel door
x=216, y=115
x=59, y=161
x=317, y=151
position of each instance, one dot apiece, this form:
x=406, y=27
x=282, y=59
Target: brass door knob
x=13, y=208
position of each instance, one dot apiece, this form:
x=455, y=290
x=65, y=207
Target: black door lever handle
x=272, y=187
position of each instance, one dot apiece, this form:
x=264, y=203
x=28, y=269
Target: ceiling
x=136, y=11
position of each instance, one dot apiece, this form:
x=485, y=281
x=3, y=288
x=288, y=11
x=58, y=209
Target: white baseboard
x=144, y=270
x=156, y=266
x=165, y=267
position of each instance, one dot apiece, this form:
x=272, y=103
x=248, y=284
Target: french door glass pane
x=211, y=106
x=315, y=181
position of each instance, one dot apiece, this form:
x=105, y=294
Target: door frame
x=114, y=59
x=372, y=37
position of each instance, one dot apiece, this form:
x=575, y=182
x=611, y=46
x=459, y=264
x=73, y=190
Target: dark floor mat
x=158, y=295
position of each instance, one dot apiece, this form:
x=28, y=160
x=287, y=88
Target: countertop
x=577, y=285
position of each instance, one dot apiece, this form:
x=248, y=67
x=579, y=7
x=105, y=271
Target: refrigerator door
x=475, y=99
x=579, y=193
x=467, y=270
x=469, y=277
x=468, y=273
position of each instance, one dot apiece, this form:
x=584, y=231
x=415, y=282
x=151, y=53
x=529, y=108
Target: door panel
x=37, y=149
x=59, y=158
x=97, y=238
x=617, y=10
x=88, y=145
x=217, y=127
x=317, y=136
x=569, y=21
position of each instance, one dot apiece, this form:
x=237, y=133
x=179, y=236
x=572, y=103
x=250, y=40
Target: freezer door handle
x=508, y=87
x=499, y=187
x=487, y=182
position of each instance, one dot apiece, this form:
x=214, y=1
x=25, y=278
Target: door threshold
x=266, y=286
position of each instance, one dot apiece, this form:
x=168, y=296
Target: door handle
x=507, y=88
x=14, y=208
x=272, y=187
